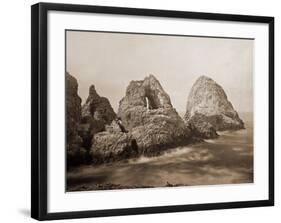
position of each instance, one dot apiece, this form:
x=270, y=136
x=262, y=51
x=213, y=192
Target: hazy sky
x=111, y=60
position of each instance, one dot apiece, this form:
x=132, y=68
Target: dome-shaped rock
x=208, y=103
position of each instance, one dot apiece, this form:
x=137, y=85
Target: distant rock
x=76, y=154
x=96, y=114
x=208, y=109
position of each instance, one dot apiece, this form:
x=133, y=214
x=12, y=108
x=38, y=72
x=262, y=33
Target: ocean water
x=225, y=160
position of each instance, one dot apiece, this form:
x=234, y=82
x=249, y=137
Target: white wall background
x=15, y=109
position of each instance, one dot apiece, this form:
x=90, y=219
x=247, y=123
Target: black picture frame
x=39, y=107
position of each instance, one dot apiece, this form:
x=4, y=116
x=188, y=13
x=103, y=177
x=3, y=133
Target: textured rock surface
x=96, y=114
x=141, y=98
x=146, y=111
x=208, y=109
x=75, y=153
x=201, y=128
x=113, y=146
x=98, y=108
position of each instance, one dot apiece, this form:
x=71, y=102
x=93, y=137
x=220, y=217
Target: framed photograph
x=138, y=111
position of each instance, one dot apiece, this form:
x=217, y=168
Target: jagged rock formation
x=147, y=124
x=146, y=111
x=98, y=108
x=208, y=109
x=96, y=114
x=75, y=153
x=141, y=98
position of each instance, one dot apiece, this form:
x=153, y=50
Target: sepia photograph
x=157, y=110
x=144, y=110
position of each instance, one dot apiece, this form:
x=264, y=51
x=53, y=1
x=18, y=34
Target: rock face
x=208, y=109
x=96, y=114
x=147, y=113
x=113, y=146
x=201, y=127
x=75, y=153
x=141, y=98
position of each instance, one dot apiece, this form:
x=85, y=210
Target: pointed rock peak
x=152, y=82
x=92, y=91
x=151, y=77
x=206, y=85
x=97, y=108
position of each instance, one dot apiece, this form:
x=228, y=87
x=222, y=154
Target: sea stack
x=208, y=110
x=147, y=112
